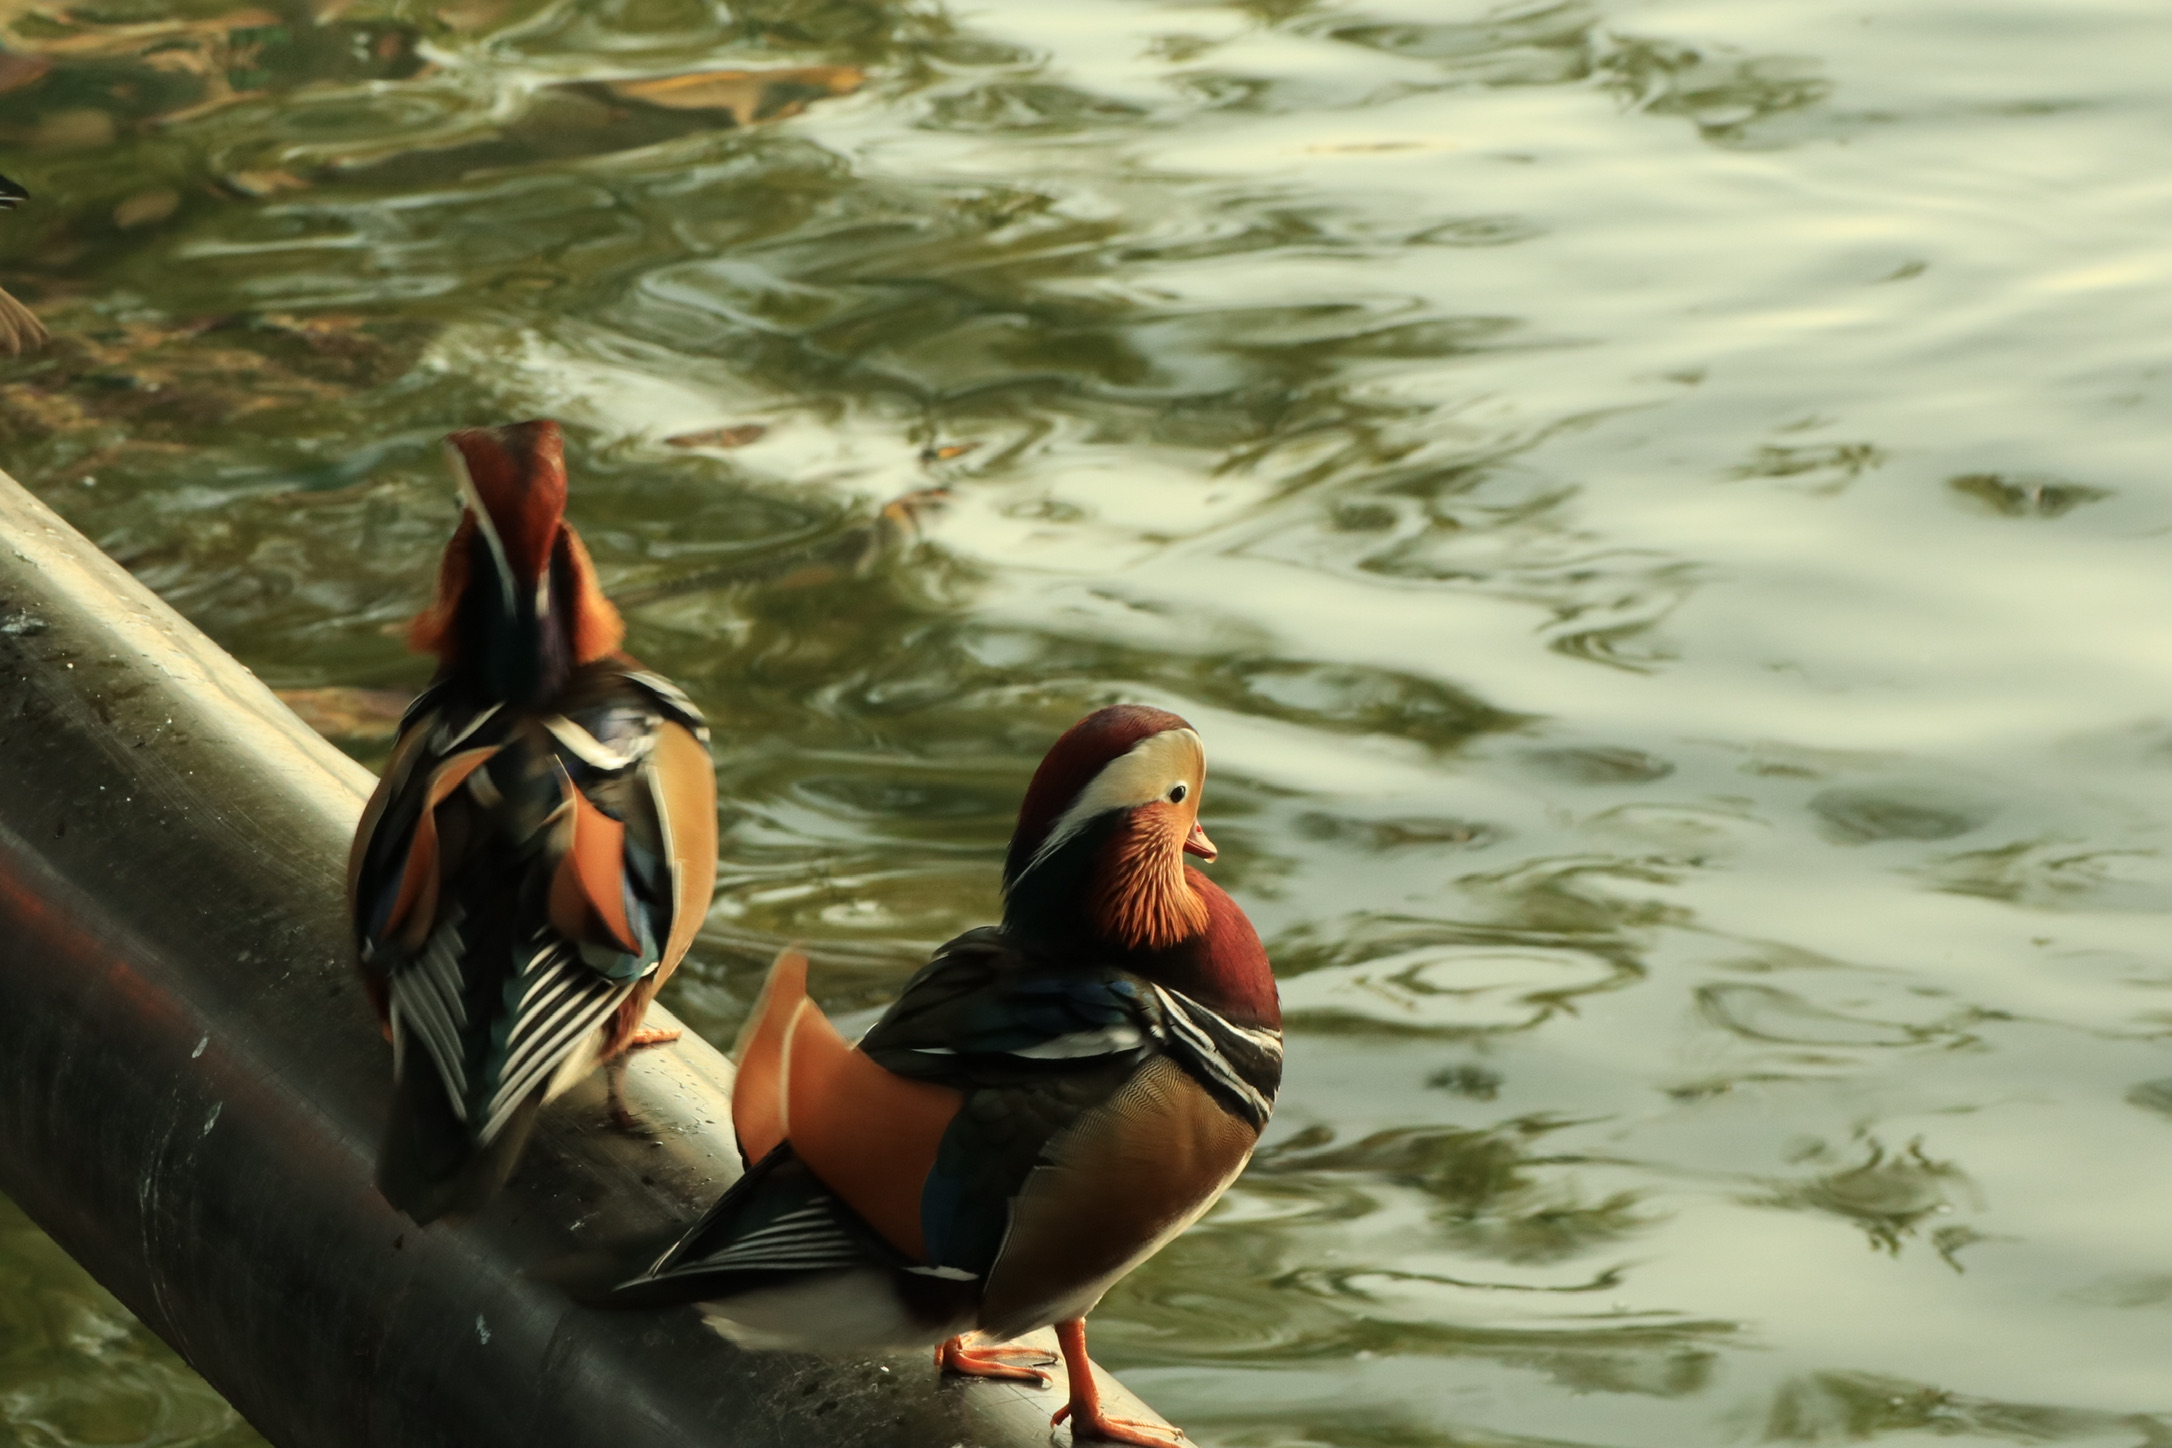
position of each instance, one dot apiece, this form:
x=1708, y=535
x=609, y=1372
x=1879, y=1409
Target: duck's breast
x=1127, y=1177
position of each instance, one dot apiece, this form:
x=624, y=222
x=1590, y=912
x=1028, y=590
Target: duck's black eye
x=1177, y=793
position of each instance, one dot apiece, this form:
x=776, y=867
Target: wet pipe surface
x=1658, y=510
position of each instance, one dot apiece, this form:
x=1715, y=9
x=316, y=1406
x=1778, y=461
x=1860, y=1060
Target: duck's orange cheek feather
x=432, y=631
x=1140, y=897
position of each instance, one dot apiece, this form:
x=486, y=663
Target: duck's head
x=1104, y=829
x=517, y=605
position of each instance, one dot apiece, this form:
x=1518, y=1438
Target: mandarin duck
x=1048, y=1103
x=542, y=846
x=19, y=330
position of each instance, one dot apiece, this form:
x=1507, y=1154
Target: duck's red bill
x=1198, y=844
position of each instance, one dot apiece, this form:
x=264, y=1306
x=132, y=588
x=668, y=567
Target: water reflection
x=76, y=1368
x=1853, y=1407
x=1888, y=1194
x=1657, y=511
x=1482, y=1183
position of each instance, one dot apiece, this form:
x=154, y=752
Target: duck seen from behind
x=1047, y=1104
x=542, y=846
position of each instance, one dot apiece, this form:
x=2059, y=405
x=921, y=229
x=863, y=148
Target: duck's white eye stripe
x=1125, y=782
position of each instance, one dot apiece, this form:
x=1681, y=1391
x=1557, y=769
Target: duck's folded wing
x=983, y=1011
x=638, y=752
x=384, y=866
x=1034, y=1049
x=1104, y=1113
x=516, y=879
x=870, y=1135
x=620, y=878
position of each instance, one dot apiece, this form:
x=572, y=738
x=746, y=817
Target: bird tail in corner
x=20, y=331
x=432, y=1163
x=430, y=1166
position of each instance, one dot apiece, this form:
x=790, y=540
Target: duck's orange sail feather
x=870, y=1135
x=686, y=804
x=758, y=1090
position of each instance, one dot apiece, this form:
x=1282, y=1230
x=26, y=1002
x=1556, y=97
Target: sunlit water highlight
x=1657, y=510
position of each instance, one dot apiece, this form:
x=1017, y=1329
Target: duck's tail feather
x=776, y=1221
x=430, y=1165
x=780, y=1263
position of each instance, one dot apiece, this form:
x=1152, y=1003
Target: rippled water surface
x=1658, y=509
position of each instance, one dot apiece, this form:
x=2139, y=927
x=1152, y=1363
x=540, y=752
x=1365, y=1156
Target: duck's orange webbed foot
x=995, y=1362
x=1098, y=1427
x=1088, y=1422
x=653, y=1036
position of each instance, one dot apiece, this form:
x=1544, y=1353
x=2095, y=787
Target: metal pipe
x=192, y=1089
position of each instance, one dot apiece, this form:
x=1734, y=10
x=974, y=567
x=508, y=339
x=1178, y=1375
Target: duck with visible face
x=20, y=331
x=1047, y=1104
x=542, y=846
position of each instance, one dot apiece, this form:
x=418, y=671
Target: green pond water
x=1659, y=510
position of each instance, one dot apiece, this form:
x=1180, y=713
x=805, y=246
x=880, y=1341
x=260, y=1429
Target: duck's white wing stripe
x=674, y=701
x=452, y=738
x=802, y=1240
x=1105, y=1041
x=590, y=750
x=561, y=1002
x=1220, y=1049
x=427, y=999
